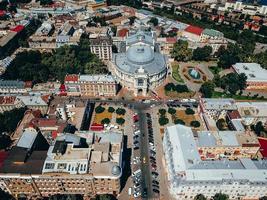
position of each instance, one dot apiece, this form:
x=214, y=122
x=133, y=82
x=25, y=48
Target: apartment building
x=12, y=86
x=189, y=175
x=8, y=103
x=84, y=163
x=102, y=47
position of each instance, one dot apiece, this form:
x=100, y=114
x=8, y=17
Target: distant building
x=12, y=87
x=192, y=33
x=256, y=75
x=34, y=103
x=166, y=45
x=102, y=47
x=189, y=174
x=85, y=163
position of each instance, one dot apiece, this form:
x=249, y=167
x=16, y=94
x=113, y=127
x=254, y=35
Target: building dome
x=116, y=170
x=140, y=54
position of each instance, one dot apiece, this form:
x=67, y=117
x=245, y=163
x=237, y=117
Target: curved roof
x=116, y=170
x=140, y=54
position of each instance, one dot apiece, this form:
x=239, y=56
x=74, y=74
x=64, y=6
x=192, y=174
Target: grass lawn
x=237, y=97
x=175, y=94
x=100, y=116
x=175, y=73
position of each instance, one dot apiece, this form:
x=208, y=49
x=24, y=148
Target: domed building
x=141, y=67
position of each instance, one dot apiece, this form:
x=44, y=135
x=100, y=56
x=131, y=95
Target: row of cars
x=137, y=174
x=152, y=156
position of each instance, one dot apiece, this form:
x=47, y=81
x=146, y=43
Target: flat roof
x=27, y=139
x=253, y=71
x=97, y=78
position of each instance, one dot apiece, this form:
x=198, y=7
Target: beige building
x=98, y=85
x=85, y=163
x=102, y=47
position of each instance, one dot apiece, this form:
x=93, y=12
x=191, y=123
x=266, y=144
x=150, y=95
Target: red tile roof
x=28, y=84
x=18, y=28
x=2, y=13
x=234, y=114
x=123, y=32
x=7, y=100
x=194, y=29
x=42, y=122
x=171, y=39
x=71, y=78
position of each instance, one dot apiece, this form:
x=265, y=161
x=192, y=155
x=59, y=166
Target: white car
x=137, y=194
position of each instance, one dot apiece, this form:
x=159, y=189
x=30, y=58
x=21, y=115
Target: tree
x=220, y=196
x=221, y=124
x=263, y=198
x=154, y=21
x=105, y=121
x=172, y=111
x=202, y=54
x=105, y=197
x=200, y=197
x=6, y=196
x=120, y=111
x=189, y=111
x=195, y=124
x=114, y=49
x=169, y=87
x=46, y=2
x=162, y=111
x=207, y=89
x=243, y=41
x=181, y=88
x=163, y=120
x=132, y=19
x=232, y=82
x=99, y=109
x=181, y=52
x=120, y=121
x=259, y=128
x=229, y=56
x=111, y=109
x=179, y=121
x=5, y=141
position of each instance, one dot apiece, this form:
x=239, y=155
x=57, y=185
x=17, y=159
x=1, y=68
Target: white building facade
x=189, y=175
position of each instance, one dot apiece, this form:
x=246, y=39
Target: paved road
x=144, y=154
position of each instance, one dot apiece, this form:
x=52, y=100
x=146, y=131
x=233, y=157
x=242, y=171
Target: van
x=130, y=191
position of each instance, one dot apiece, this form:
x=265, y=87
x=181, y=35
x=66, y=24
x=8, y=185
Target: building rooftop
x=219, y=104
x=183, y=160
x=11, y=84
x=253, y=71
x=194, y=30
x=97, y=78
x=32, y=100
x=27, y=139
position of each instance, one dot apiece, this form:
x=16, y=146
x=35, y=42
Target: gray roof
x=140, y=56
x=11, y=83
x=140, y=36
x=96, y=78
x=27, y=138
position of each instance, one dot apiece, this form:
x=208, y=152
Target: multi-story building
x=12, y=87
x=102, y=47
x=8, y=103
x=189, y=175
x=97, y=85
x=34, y=103
x=141, y=67
x=90, y=85
x=85, y=163
x=256, y=75
x=166, y=45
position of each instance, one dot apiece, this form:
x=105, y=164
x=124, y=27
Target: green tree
x=229, y=56
x=207, y=89
x=111, y=109
x=105, y=121
x=163, y=120
x=200, y=197
x=120, y=111
x=172, y=111
x=6, y=196
x=120, y=121
x=263, y=198
x=162, y=111
x=169, y=87
x=195, y=124
x=259, y=128
x=221, y=124
x=202, y=54
x=243, y=41
x=132, y=19
x=189, y=111
x=99, y=109
x=181, y=52
x=220, y=196
x=154, y=21
x=179, y=121
x=5, y=141
x=181, y=88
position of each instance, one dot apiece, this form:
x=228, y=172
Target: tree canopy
x=163, y=120
x=200, y=197
x=207, y=89
x=220, y=196
x=181, y=52
x=202, y=54
x=154, y=21
x=41, y=67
